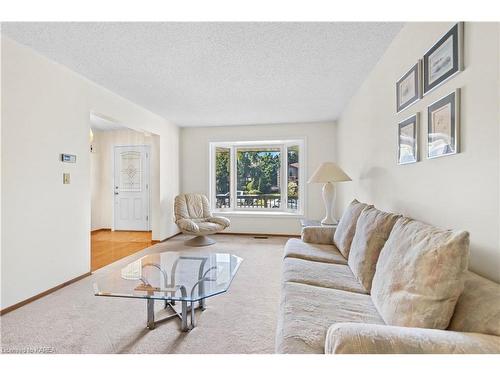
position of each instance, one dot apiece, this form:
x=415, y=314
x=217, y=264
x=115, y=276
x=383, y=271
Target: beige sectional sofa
x=383, y=283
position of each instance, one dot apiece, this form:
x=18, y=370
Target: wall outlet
x=66, y=178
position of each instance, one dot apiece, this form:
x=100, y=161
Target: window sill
x=280, y=214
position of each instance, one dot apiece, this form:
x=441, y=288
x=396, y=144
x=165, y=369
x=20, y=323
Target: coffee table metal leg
x=187, y=314
x=193, y=316
x=184, y=317
x=151, y=313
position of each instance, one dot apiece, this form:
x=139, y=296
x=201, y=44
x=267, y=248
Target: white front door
x=131, y=188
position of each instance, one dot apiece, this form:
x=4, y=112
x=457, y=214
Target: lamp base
x=326, y=221
x=328, y=198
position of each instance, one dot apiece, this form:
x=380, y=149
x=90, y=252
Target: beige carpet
x=243, y=320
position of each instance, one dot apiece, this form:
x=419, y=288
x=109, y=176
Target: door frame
x=148, y=181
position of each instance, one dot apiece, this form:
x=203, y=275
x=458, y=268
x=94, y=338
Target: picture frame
x=443, y=126
x=444, y=60
x=408, y=139
x=409, y=87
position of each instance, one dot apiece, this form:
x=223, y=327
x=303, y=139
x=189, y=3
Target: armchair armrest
x=319, y=235
x=361, y=338
x=224, y=221
x=187, y=225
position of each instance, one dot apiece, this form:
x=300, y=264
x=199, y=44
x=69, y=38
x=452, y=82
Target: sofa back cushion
x=372, y=230
x=478, y=307
x=420, y=275
x=347, y=226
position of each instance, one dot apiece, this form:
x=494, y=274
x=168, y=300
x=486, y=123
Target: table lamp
x=329, y=173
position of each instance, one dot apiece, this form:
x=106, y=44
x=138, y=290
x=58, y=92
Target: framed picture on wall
x=444, y=59
x=408, y=88
x=408, y=131
x=443, y=126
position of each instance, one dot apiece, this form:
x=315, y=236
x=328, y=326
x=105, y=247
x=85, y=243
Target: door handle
x=116, y=193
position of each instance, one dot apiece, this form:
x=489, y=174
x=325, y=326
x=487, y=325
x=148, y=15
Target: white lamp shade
x=329, y=172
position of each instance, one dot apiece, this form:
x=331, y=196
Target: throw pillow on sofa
x=347, y=226
x=420, y=275
x=372, y=230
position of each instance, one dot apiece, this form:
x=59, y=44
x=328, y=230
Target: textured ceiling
x=201, y=74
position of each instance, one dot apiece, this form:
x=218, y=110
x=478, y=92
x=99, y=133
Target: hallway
x=108, y=246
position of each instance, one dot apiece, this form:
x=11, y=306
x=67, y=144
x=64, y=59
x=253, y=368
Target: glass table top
x=171, y=276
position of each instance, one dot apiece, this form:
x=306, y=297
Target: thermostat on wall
x=68, y=158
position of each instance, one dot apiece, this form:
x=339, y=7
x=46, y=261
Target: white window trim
x=273, y=212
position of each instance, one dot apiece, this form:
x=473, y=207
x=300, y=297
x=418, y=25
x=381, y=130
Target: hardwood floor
x=107, y=246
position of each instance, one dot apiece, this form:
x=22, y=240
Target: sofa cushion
x=360, y=338
x=318, y=234
x=346, y=227
x=327, y=275
x=295, y=248
x=307, y=311
x=372, y=230
x=478, y=307
x=420, y=275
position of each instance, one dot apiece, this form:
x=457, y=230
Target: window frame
x=283, y=145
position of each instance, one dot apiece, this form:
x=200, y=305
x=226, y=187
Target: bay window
x=260, y=176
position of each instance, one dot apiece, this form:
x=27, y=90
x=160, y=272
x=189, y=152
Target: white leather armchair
x=193, y=216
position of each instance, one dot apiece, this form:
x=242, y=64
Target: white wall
x=101, y=170
x=460, y=191
x=195, y=167
x=96, y=177
x=45, y=224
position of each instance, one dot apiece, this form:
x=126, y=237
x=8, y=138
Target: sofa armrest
x=319, y=235
x=361, y=338
x=224, y=221
x=187, y=225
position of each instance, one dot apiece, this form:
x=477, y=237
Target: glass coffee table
x=172, y=277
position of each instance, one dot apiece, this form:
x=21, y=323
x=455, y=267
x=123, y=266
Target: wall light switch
x=66, y=178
